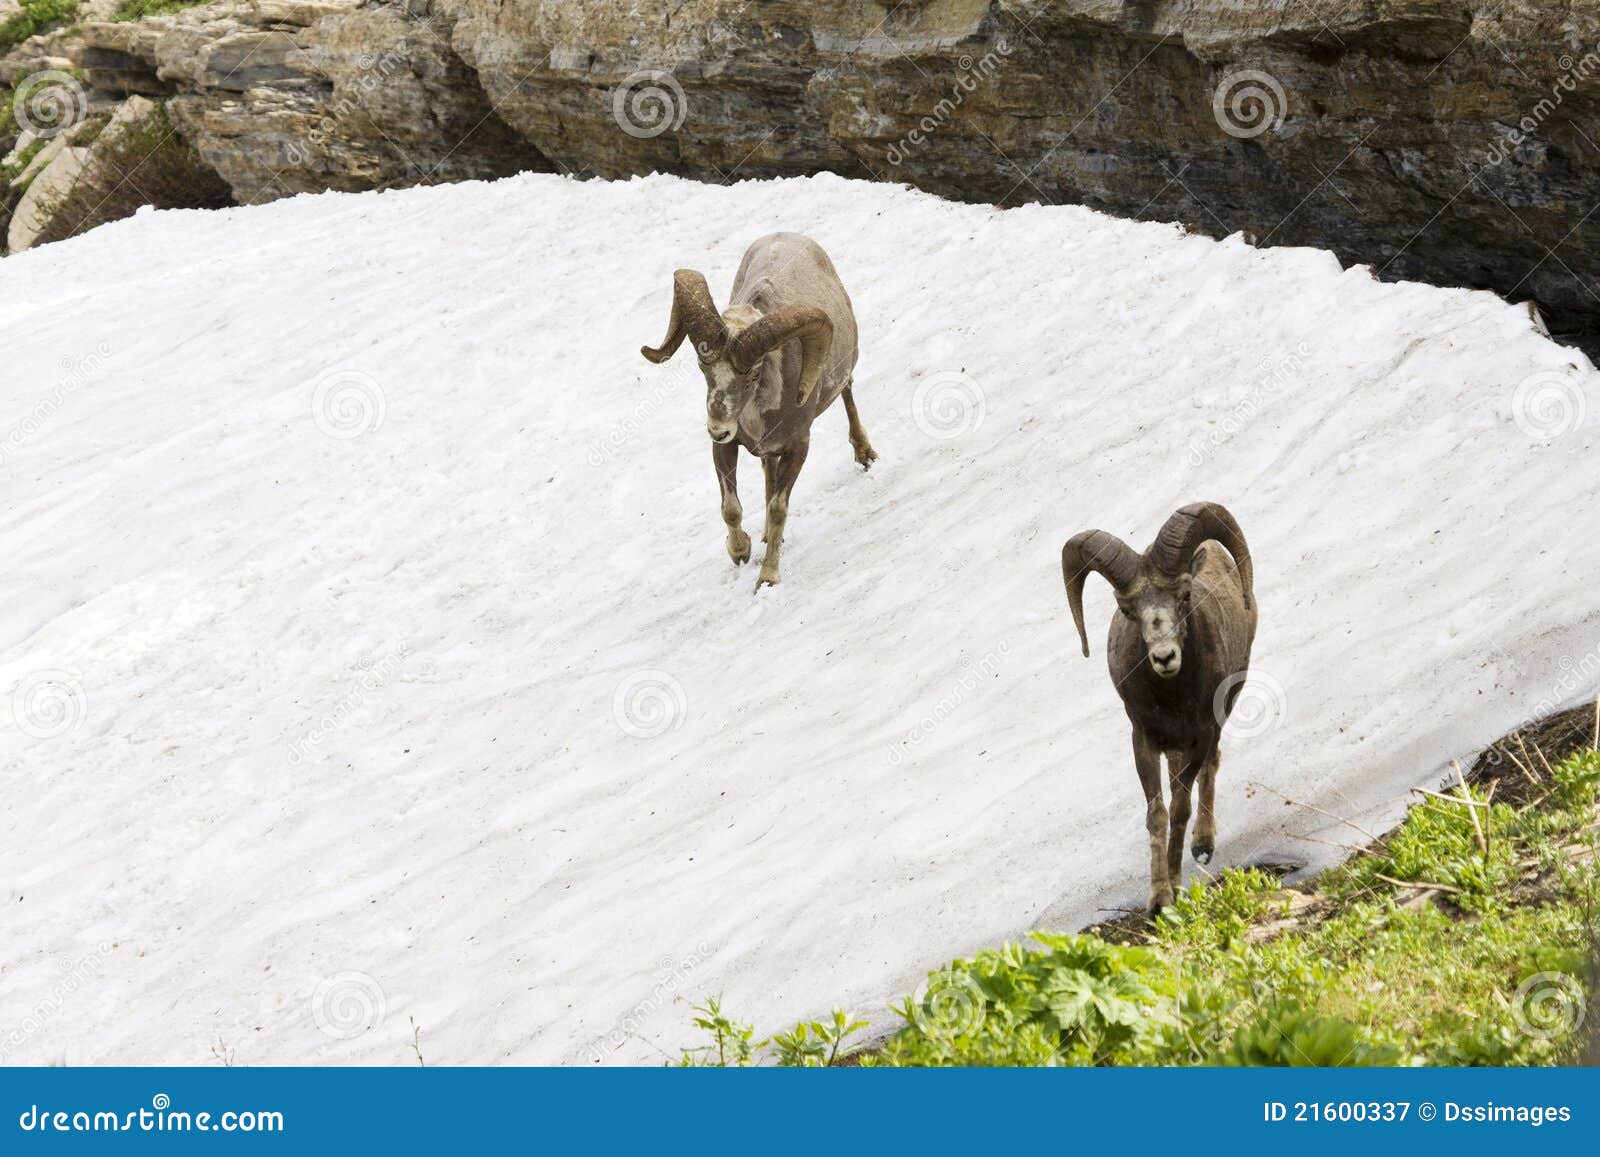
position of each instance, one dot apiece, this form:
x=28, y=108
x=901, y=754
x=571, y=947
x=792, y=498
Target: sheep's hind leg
x=726, y=459
x=780, y=481
x=865, y=454
x=1147, y=761
x=1205, y=827
x=1183, y=767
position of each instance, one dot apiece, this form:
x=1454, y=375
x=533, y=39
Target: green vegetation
x=139, y=9
x=36, y=16
x=1467, y=936
x=143, y=163
x=16, y=168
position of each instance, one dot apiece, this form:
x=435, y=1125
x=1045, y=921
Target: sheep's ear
x=1198, y=561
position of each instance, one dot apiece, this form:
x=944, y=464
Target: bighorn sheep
x=777, y=357
x=1179, y=651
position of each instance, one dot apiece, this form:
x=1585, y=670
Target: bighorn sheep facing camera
x=1179, y=651
x=777, y=357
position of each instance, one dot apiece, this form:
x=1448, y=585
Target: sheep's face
x=727, y=394
x=727, y=390
x=1159, y=607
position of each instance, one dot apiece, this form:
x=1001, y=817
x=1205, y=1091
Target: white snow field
x=371, y=662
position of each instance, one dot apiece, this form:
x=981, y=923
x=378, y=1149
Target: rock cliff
x=1454, y=142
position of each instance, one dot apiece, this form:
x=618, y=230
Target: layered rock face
x=1454, y=142
x=289, y=96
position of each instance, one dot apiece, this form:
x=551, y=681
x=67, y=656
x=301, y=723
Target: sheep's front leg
x=865, y=454
x=780, y=482
x=1147, y=761
x=1205, y=827
x=726, y=459
x=1182, y=769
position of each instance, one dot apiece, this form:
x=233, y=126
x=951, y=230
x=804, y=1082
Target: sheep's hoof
x=738, y=547
x=768, y=578
x=1158, y=901
x=866, y=455
x=1202, y=851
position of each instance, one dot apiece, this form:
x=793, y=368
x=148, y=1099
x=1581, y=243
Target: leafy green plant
x=139, y=9
x=1291, y=1036
x=36, y=16
x=815, y=1043
x=1450, y=842
x=10, y=172
x=1076, y=1000
x=1488, y=969
x=730, y=1044
x=1211, y=918
x=144, y=163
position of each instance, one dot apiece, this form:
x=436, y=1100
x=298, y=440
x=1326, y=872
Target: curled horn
x=694, y=314
x=806, y=322
x=1095, y=550
x=1174, y=547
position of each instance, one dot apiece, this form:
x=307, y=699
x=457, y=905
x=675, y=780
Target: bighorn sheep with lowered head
x=1179, y=651
x=777, y=357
